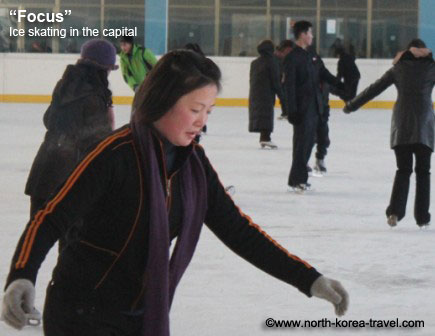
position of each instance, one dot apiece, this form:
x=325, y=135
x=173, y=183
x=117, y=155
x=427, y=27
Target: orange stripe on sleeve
x=273, y=241
x=41, y=214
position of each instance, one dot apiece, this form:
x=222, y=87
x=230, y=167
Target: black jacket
x=413, y=118
x=76, y=118
x=347, y=68
x=304, y=71
x=264, y=84
x=105, y=266
x=348, y=71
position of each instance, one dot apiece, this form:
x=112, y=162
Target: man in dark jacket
x=303, y=72
x=264, y=84
x=348, y=71
x=412, y=128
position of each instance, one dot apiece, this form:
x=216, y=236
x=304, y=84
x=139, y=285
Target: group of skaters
x=117, y=199
x=296, y=74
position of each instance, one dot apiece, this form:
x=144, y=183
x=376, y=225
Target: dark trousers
x=303, y=141
x=265, y=136
x=322, y=138
x=399, y=196
x=66, y=314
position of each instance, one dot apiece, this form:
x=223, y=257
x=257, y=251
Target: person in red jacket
x=137, y=190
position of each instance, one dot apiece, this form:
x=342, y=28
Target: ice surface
x=340, y=228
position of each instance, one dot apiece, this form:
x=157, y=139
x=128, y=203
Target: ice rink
x=340, y=228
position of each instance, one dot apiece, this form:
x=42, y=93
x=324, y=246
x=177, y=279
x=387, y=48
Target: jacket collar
x=164, y=148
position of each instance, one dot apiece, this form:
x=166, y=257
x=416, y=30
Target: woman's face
x=188, y=116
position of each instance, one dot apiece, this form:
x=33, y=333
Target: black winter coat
x=348, y=71
x=105, y=266
x=303, y=73
x=413, y=118
x=264, y=84
x=76, y=118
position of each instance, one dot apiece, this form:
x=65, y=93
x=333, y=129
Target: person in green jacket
x=136, y=62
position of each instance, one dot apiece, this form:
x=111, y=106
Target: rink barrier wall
x=30, y=78
x=222, y=102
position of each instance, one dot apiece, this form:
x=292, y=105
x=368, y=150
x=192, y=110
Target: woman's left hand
x=332, y=291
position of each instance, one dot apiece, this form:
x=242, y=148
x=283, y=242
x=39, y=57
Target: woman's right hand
x=18, y=304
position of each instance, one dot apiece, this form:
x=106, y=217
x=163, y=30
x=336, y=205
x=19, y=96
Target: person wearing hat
x=80, y=114
x=136, y=62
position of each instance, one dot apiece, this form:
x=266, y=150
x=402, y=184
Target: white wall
x=37, y=74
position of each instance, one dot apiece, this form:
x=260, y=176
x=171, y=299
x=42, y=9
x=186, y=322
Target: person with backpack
x=136, y=62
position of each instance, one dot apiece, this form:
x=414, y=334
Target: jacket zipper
x=168, y=180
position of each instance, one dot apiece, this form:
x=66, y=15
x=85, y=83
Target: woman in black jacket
x=80, y=114
x=412, y=129
x=264, y=84
x=137, y=190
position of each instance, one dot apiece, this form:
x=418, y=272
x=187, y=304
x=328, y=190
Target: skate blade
x=298, y=191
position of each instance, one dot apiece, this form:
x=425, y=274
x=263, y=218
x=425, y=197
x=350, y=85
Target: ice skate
x=319, y=168
x=282, y=117
x=423, y=225
x=392, y=220
x=300, y=188
x=268, y=144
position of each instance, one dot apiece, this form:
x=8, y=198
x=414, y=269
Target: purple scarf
x=162, y=271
